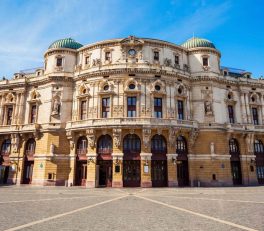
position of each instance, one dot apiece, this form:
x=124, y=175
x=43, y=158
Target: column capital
x=145, y=156
x=171, y=156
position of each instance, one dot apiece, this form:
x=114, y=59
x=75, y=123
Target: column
x=117, y=180
x=172, y=170
x=243, y=108
x=262, y=109
x=145, y=169
x=20, y=112
x=249, y=119
x=2, y=110
x=92, y=171
x=92, y=174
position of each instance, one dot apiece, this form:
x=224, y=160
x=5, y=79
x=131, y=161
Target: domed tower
x=203, y=56
x=61, y=56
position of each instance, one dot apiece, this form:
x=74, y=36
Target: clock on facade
x=132, y=52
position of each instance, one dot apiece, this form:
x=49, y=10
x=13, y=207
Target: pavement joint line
x=212, y=199
x=198, y=214
x=63, y=214
x=51, y=199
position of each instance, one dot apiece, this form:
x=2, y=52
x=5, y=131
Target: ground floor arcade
x=133, y=162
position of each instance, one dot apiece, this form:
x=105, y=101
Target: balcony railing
x=130, y=122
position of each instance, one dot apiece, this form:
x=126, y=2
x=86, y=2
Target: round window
x=106, y=87
x=84, y=91
x=229, y=96
x=157, y=87
x=132, y=86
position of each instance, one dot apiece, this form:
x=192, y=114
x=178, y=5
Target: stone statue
x=212, y=148
x=208, y=108
x=56, y=107
x=52, y=148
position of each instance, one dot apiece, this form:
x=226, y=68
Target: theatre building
x=132, y=112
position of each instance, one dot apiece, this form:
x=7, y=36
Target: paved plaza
x=60, y=208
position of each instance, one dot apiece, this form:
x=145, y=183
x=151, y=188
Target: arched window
x=233, y=147
x=6, y=147
x=181, y=145
x=158, y=144
x=258, y=147
x=105, y=144
x=131, y=144
x=30, y=147
x=82, y=146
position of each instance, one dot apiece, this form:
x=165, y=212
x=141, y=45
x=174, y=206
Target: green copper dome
x=198, y=42
x=66, y=43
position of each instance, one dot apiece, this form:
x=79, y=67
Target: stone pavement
x=60, y=208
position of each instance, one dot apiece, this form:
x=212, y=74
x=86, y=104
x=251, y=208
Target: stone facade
x=132, y=112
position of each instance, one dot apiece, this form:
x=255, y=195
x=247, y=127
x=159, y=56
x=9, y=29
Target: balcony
x=130, y=122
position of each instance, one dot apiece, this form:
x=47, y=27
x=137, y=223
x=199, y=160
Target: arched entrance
x=29, y=161
x=159, y=174
x=259, y=152
x=235, y=161
x=182, y=162
x=81, y=162
x=104, y=160
x=5, y=161
x=131, y=161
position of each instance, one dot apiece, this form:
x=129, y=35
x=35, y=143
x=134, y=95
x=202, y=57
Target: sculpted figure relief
x=56, y=107
x=208, y=108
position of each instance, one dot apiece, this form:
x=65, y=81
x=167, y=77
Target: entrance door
x=159, y=173
x=105, y=173
x=236, y=172
x=28, y=172
x=81, y=173
x=183, y=173
x=131, y=173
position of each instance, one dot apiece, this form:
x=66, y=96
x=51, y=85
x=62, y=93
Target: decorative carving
x=10, y=98
x=172, y=137
x=52, y=149
x=15, y=142
x=91, y=137
x=146, y=137
x=117, y=137
x=250, y=142
x=167, y=62
x=56, y=106
x=193, y=136
x=171, y=112
x=212, y=148
x=208, y=108
x=96, y=62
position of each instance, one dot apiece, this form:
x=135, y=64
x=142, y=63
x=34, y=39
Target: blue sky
x=29, y=27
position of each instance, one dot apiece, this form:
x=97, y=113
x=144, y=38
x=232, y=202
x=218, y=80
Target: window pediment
x=158, y=88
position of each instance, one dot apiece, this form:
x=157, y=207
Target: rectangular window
x=131, y=106
x=33, y=114
x=87, y=60
x=156, y=55
x=108, y=56
x=177, y=60
x=9, y=115
x=158, y=107
x=59, y=62
x=83, y=109
x=105, y=107
x=231, y=114
x=205, y=61
x=255, y=116
x=180, y=110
